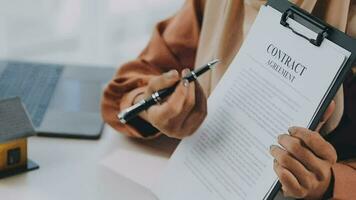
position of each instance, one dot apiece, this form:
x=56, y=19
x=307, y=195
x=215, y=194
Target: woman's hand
x=182, y=112
x=304, y=163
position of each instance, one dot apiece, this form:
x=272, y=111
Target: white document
x=277, y=80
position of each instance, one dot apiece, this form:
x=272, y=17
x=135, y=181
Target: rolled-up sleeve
x=173, y=45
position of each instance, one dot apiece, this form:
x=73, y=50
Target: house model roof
x=14, y=120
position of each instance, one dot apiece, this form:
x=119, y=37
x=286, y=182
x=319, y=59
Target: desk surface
x=85, y=169
x=114, y=167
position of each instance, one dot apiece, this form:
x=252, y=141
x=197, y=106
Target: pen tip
x=213, y=62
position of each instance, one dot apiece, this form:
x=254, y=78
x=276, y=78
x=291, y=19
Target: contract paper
x=277, y=80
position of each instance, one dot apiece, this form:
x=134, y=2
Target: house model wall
x=13, y=154
x=15, y=127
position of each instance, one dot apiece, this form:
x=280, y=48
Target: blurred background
x=94, y=32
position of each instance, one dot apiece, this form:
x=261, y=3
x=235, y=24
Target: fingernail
x=170, y=74
x=185, y=72
x=185, y=83
x=272, y=147
x=292, y=130
x=279, y=137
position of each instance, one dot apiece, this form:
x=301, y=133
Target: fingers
x=302, y=154
x=198, y=112
x=177, y=102
x=185, y=89
x=303, y=163
x=315, y=143
x=171, y=107
x=164, y=81
x=283, y=158
x=189, y=102
x=170, y=115
x=178, y=119
x=157, y=83
x=290, y=185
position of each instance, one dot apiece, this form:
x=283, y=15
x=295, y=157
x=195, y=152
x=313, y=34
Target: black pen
x=131, y=112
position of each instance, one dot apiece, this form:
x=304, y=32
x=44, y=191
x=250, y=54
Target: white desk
x=113, y=167
x=81, y=169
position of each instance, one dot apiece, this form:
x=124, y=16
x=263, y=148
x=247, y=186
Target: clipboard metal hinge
x=315, y=25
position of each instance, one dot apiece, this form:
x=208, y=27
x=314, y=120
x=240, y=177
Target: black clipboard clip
x=305, y=19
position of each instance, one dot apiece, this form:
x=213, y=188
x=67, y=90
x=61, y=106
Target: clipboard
x=323, y=31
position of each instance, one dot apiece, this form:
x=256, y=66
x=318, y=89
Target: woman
x=204, y=29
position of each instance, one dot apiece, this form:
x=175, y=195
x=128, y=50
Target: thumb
x=160, y=82
x=329, y=111
x=327, y=114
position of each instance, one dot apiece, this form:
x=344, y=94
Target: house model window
x=15, y=128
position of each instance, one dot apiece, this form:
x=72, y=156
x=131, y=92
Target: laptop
x=62, y=100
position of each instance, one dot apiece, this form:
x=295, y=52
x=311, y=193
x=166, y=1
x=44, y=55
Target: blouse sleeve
x=173, y=45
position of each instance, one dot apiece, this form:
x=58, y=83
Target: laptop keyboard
x=34, y=83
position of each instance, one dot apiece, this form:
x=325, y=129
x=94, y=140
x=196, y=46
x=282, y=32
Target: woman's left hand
x=304, y=163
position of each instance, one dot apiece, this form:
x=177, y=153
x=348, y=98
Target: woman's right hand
x=182, y=112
